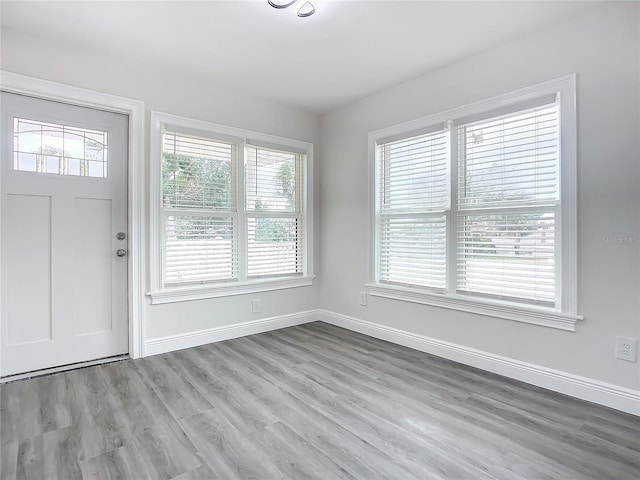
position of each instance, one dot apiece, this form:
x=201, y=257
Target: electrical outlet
x=363, y=299
x=626, y=348
x=255, y=305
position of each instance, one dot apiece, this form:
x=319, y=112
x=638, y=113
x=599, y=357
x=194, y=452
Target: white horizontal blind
x=273, y=200
x=196, y=173
x=508, y=203
x=198, y=249
x=413, y=195
x=413, y=250
x=273, y=247
x=414, y=173
x=199, y=210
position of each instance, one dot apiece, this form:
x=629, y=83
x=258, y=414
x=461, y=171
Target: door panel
x=63, y=200
x=92, y=259
x=30, y=275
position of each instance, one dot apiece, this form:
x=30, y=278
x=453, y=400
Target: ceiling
x=345, y=51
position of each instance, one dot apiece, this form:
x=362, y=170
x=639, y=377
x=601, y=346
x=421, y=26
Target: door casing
x=136, y=184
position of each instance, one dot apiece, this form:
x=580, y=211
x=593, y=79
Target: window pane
x=58, y=149
x=198, y=249
x=274, y=246
x=414, y=173
x=196, y=173
x=26, y=162
x=413, y=251
x=510, y=256
x=271, y=180
x=512, y=159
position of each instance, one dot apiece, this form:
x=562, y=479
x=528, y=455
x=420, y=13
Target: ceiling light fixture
x=306, y=9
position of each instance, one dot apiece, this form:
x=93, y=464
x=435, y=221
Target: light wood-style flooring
x=313, y=401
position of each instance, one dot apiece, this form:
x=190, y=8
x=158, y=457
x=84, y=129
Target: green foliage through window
x=193, y=182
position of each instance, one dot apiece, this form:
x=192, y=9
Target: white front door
x=63, y=226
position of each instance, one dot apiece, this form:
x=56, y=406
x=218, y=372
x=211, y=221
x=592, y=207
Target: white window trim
x=160, y=294
x=563, y=317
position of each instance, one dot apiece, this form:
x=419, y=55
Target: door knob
x=121, y=235
x=121, y=252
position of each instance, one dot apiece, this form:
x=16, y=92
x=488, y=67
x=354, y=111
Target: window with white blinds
x=200, y=217
x=413, y=194
x=274, y=187
x=508, y=196
x=232, y=210
x=468, y=207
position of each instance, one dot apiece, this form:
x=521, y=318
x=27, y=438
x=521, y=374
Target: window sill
x=520, y=313
x=201, y=292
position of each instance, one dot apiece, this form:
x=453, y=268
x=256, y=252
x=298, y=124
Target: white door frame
x=136, y=188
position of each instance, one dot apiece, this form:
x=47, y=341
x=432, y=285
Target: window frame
x=564, y=315
x=240, y=137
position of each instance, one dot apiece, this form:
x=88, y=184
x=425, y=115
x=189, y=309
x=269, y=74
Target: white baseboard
x=155, y=346
x=613, y=396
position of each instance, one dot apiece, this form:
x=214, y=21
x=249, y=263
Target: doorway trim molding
x=136, y=186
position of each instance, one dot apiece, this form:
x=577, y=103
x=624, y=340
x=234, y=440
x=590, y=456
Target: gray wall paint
x=173, y=92
x=602, y=48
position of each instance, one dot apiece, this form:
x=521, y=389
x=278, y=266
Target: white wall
x=603, y=49
x=174, y=92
